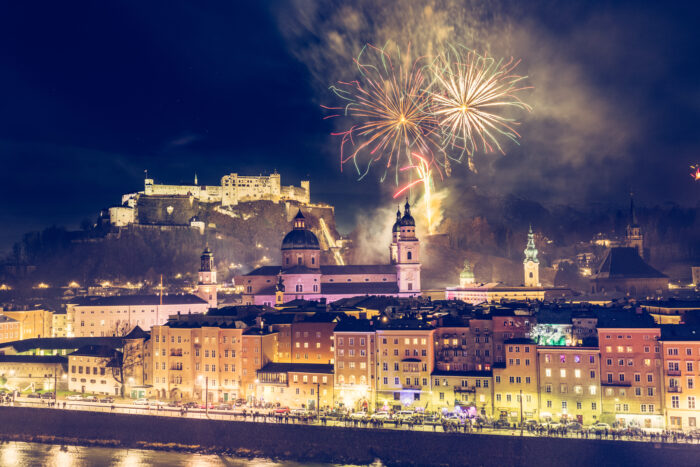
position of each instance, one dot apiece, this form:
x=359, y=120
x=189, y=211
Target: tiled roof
x=297, y=368
x=625, y=263
x=60, y=343
x=47, y=359
x=265, y=271
x=614, y=319
x=138, y=333
x=136, y=300
x=95, y=351
x=354, y=325
x=675, y=332
x=359, y=269
x=359, y=288
x=6, y=319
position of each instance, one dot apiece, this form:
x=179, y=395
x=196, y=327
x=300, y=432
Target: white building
x=117, y=315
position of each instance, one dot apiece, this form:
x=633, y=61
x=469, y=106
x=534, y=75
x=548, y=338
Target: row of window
x=576, y=358
x=351, y=341
x=676, y=403
x=563, y=373
x=95, y=370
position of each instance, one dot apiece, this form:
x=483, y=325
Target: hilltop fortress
x=234, y=189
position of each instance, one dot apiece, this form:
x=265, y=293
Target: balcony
x=415, y=387
x=675, y=389
x=617, y=383
x=673, y=372
x=176, y=353
x=464, y=389
x=175, y=368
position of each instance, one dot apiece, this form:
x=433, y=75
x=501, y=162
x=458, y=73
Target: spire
x=195, y=178
x=407, y=208
x=398, y=213
x=530, y=250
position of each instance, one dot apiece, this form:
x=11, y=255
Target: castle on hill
x=234, y=189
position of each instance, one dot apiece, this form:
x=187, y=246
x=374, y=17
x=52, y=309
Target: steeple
x=466, y=277
x=530, y=250
x=206, y=287
x=634, y=237
x=531, y=265
x=195, y=178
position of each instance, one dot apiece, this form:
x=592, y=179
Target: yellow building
x=60, y=326
x=681, y=372
x=33, y=372
x=190, y=358
x=32, y=323
x=405, y=356
x=569, y=383
x=515, y=380
x=470, y=391
x=9, y=329
x=296, y=385
x=355, y=364
x=92, y=369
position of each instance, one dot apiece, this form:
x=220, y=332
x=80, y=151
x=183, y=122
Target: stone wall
x=342, y=445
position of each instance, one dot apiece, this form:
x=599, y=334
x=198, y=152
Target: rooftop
x=59, y=343
x=625, y=263
x=359, y=288
x=485, y=374
x=136, y=300
x=45, y=359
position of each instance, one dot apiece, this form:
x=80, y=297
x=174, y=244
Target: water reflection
x=15, y=454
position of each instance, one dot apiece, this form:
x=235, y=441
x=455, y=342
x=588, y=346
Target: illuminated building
x=90, y=370
x=451, y=345
x=405, y=357
x=514, y=379
x=9, y=329
x=494, y=292
x=680, y=349
x=298, y=385
x=623, y=270
x=304, y=277
x=630, y=367
x=469, y=392
x=32, y=323
x=569, y=383
x=117, y=315
x=355, y=364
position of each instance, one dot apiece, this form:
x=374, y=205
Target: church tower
x=466, y=277
x=531, y=264
x=394, y=246
x=408, y=255
x=634, y=237
x=206, y=287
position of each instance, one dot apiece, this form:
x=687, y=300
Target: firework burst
x=423, y=170
x=468, y=96
x=695, y=172
x=386, y=110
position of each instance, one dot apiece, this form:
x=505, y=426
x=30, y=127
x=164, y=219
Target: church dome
x=407, y=220
x=300, y=238
x=397, y=224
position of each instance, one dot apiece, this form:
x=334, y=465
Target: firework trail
x=387, y=111
x=468, y=95
x=424, y=172
x=695, y=172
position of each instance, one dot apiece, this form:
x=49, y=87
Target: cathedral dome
x=300, y=238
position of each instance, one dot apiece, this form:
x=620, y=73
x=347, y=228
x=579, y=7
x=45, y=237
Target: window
x=563, y=405
x=562, y=358
x=691, y=402
x=675, y=401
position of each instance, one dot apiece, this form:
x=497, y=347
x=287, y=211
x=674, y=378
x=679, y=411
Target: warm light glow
x=73, y=285
x=42, y=285
x=5, y=287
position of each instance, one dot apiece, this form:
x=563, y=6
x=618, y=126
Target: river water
x=16, y=454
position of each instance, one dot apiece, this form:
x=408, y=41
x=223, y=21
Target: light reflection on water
x=17, y=454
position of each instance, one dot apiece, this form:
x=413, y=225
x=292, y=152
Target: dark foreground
x=306, y=443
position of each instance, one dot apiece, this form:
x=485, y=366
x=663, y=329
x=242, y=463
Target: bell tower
x=206, y=286
x=408, y=255
x=634, y=237
x=394, y=246
x=531, y=264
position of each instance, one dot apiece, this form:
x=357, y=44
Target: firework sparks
x=468, y=95
x=695, y=172
x=387, y=111
x=425, y=177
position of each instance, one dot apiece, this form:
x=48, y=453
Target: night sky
x=94, y=93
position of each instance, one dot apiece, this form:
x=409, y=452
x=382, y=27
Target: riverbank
x=307, y=443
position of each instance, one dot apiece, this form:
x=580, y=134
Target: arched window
x=409, y=255
x=299, y=260
x=313, y=260
x=287, y=260
x=530, y=275
x=300, y=288
x=352, y=379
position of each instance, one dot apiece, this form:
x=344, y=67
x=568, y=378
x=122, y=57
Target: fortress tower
x=634, y=237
